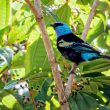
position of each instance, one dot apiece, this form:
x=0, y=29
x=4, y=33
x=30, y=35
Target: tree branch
x=91, y=15
x=70, y=81
x=37, y=11
x=89, y=20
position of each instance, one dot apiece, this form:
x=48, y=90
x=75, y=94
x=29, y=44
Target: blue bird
x=72, y=47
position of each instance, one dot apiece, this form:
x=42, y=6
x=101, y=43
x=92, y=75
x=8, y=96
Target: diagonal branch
x=70, y=81
x=89, y=20
x=37, y=11
x=91, y=15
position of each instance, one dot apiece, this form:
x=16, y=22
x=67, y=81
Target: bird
x=72, y=47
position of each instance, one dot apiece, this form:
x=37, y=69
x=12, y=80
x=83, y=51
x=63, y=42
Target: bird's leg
x=72, y=71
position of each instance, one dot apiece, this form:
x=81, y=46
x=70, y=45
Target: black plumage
x=71, y=52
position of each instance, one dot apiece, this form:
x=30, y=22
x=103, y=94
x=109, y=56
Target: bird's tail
x=105, y=56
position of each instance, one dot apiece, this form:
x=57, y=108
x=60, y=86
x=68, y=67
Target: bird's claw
x=63, y=102
x=71, y=71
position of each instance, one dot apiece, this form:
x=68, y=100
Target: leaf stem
x=33, y=101
x=89, y=20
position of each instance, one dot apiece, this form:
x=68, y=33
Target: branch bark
x=84, y=34
x=89, y=20
x=37, y=11
x=70, y=81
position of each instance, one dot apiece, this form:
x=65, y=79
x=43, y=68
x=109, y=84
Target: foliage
x=23, y=56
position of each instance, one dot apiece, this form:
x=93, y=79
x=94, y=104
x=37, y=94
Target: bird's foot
x=63, y=102
x=71, y=72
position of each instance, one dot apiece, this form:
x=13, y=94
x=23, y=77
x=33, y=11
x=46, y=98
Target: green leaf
x=6, y=55
x=93, y=84
x=18, y=60
x=1, y=85
x=16, y=5
x=84, y=2
x=10, y=85
x=4, y=13
x=101, y=41
x=50, y=19
x=98, y=65
x=103, y=5
x=64, y=13
x=45, y=96
x=95, y=32
x=104, y=108
x=36, y=61
x=106, y=91
x=9, y=102
x=102, y=15
x=89, y=100
x=20, y=32
x=2, y=32
x=80, y=24
x=43, y=93
x=73, y=104
x=102, y=79
x=87, y=88
x=82, y=101
x=94, y=87
x=47, y=2
x=108, y=40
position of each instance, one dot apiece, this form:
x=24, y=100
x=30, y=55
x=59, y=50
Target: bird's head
x=61, y=28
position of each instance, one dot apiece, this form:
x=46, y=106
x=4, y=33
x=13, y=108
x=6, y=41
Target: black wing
x=71, y=41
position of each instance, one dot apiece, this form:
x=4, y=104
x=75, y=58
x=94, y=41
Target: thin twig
x=70, y=80
x=54, y=66
x=33, y=101
x=89, y=20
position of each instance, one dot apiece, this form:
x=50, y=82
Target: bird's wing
x=78, y=47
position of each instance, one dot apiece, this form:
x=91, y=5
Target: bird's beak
x=52, y=25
